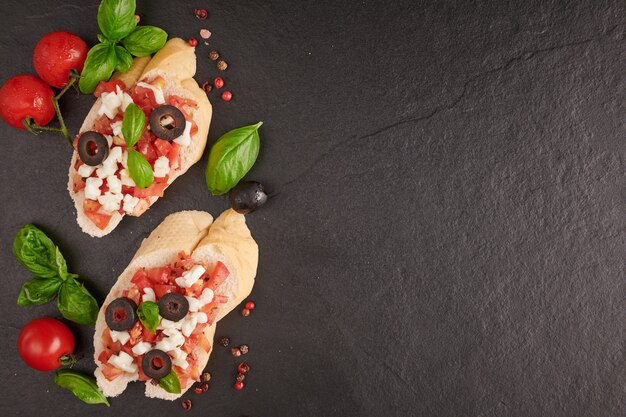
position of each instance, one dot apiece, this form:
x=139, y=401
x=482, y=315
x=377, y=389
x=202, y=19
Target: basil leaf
x=124, y=59
x=82, y=386
x=170, y=383
x=38, y=253
x=231, y=158
x=101, y=38
x=76, y=304
x=116, y=18
x=148, y=313
x=145, y=40
x=133, y=124
x=139, y=169
x=38, y=291
x=99, y=65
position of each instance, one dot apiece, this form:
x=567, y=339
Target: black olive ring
x=173, y=306
x=156, y=364
x=167, y=122
x=93, y=148
x=121, y=314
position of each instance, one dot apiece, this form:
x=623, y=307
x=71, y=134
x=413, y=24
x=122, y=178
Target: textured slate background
x=447, y=237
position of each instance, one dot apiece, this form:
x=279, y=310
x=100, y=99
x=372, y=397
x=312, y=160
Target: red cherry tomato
x=43, y=343
x=26, y=96
x=56, y=54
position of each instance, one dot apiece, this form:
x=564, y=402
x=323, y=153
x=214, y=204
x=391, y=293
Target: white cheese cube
x=121, y=337
x=177, y=339
x=190, y=277
x=92, y=188
x=194, y=304
x=124, y=362
x=201, y=317
x=168, y=324
x=161, y=167
x=130, y=203
x=109, y=139
x=178, y=353
x=148, y=293
x=114, y=184
x=165, y=344
x=158, y=93
x=180, y=363
x=117, y=129
x=85, y=170
x=189, y=325
x=126, y=179
x=126, y=100
x=115, y=155
x=185, y=138
x=111, y=103
x=141, y=348
x=110, y=202
x=206, y=297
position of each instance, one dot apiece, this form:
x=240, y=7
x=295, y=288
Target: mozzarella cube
x=92, y=188
x=130, y=203
x=168, y=324
x=110, y=202
x=115, y=155
x=126, y=179
x=178, y=353
x=161, y=167
x=117, y=129
x=190, y=277
x=124, y=362
x=114, y=184
x=85, y=170
x=121, y=337
x=189, y=325
x=158, y=93
x=206, y=297
x=194, y=304
x=148, y=293
x=201, y=317
x=182, y=363
x=141, y=348
x=185, y=138
x=126, y=100
x=111, y=103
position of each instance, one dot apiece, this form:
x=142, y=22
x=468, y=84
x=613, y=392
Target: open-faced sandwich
x=104, y=168
x=157, y=323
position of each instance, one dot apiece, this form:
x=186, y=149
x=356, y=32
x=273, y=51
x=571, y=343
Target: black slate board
x=447, y=235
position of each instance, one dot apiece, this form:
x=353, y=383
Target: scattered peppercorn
x=240, y=377
x=244, y=349
x=243, y=368
x=236, y=352
x=238, y=385
x=250, y=305
x=197, y=390
x=205, y=387
x=225, y=341
x=219, y=82
x=192, y=41
x=205, y=377
x=245, y=312
x=186, y=405
x=222, y=65
x=205, y=33
x=207, y=87
x=201, y=13
x=214, y=55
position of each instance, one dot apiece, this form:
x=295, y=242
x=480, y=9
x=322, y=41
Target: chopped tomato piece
x=77, y=183
x=211, y=310
x=141, y=280
x=110, y=372
x=144, y=98
x=174, y=156
x=196, y=289
x=141, y=207
x=158, y=275
x=178, y=101
x=104, y=356
x=133, y=294
x=183, y=377
x=103, y=125
x=108, y=87
x=204, y=344
x=92, y=208
x=163, y=147
x=148, y=336
x=142, y=376
x=146, y=148
x=135, y=332
x=218, y=275
x=160, y=290
x=156, y=189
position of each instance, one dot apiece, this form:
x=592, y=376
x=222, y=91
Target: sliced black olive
x=167, y=122
x=156, y=364
x=121, y=314
x=173, y=306
x=247, y=197
x=93, y=148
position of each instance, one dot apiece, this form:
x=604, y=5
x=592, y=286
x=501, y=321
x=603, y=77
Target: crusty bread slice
x=227, y=239
x=176, y=63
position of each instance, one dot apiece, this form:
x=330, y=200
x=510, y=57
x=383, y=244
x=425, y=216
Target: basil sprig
x=139, y=169
x=42, y=257
x=82, y=386
x=116, y=19
x=148, y=313
x=170, y=383
x=231, y=158
x=133, y=124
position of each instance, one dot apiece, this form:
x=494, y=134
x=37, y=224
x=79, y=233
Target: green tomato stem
x=68, y=360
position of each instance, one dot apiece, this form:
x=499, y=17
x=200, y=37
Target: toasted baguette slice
x=228, y=239
x=176, y=63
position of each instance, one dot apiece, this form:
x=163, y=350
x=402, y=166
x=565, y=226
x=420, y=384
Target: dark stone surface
x=447, y=237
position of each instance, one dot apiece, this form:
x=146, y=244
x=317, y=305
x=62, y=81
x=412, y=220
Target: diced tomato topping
x=211, y=310
x=174, y=156
x=178, y=102
x=196, y=289
x=103, y=125
x=163, y=147
x=204, y=344
x=156, y=189
x=91, y=208
x=142, y=376
x=77, y=183
x=159, y=275
x=135, y=332
x=141, y=280
x=148, y=336
x=110, y=372
x=127, y=349
x=108, y=87
x=161, y=290
x=144, y=98
x=183, y=377
x=146, y=148
x=133, y=294
x=218, y=275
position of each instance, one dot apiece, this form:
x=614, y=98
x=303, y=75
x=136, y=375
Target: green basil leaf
x=76, y=304
x=170, y=383
x=38, y=253
x=231, y=158
x=82, y=386
x=124, y=59
x=38, y=291
x=116, y=18
x=148, y=313
x=133, y=124
x=139, y=169
x=145, y=40
x=102, y=39
x=99, y=65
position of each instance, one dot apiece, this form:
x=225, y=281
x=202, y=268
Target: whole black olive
x=93, y=148
x=247, y=197
x=121, y=314
x=167, y=122
x=173, y=306
x=156, y=364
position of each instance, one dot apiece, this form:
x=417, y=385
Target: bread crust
x=176, y=63
x=226, y=239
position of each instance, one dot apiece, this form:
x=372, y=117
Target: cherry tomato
x=56, y=54
x=25, y=96
x=46, y=344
